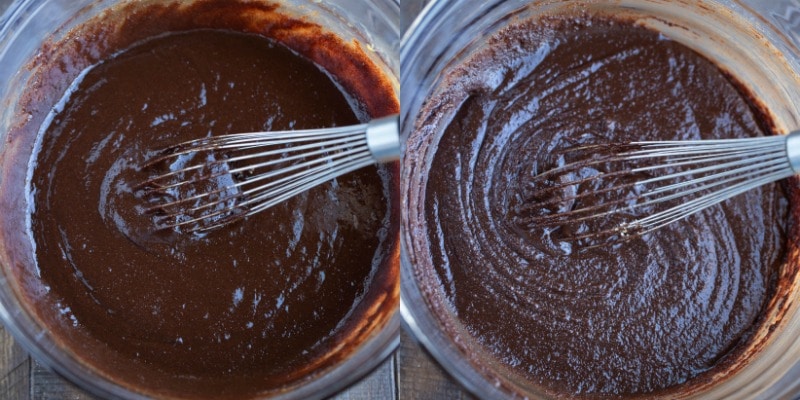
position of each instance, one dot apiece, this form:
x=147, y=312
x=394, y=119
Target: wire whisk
x=644, y=186
x=214, y=181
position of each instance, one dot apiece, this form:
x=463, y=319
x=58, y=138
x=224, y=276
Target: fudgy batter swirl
x=638, y=317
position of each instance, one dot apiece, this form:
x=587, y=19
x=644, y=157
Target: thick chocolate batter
x=644, y=316
x=250, y=308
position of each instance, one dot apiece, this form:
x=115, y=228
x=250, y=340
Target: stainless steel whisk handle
x=793, y=150
x=383, y=138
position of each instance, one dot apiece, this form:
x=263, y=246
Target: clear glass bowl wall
x=756, y=41
x=26, y=24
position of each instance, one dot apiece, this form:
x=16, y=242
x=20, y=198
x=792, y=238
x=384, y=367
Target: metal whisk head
x=217, y=180
x=643, y=186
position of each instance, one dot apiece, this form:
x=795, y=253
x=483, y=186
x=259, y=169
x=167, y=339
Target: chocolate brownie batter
x=246, y=309
x=645, y=316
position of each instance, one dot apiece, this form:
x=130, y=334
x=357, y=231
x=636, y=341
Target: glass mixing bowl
x=752, y=40
x=27, y=24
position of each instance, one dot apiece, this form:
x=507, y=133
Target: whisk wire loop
x=677, y=213
x=734, y=168
x=213, y=181
x=317, y=149
x=686, y=176
x=260, y=198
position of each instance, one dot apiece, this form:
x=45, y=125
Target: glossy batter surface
x=242, y=310
x=642, y=316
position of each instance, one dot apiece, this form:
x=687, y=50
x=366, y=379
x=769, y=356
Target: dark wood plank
x=46, y=385
x=15, y=368
x=420, y=378
x=381, y=384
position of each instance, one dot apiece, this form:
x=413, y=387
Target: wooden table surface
x=408, y=374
